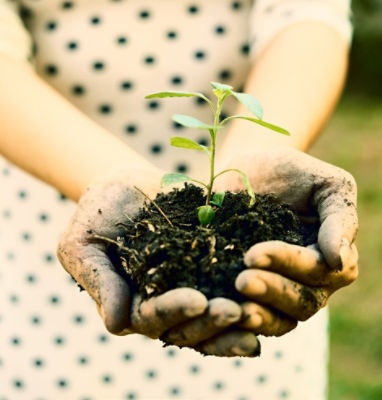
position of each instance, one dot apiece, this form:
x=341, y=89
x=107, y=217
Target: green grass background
x=353, y=141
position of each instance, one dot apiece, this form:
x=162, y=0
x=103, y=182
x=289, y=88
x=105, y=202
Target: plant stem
x=213, y=148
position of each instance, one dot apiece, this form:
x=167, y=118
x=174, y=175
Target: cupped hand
x=181, y=316
x=287, y=283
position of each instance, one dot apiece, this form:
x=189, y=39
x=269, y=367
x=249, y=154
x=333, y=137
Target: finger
x=231, y=344
x=156, y=315
x=336, y=204
x=92, y=269
x=265, y=321
x=294, y=299
x=220, y=314
x=303, y=264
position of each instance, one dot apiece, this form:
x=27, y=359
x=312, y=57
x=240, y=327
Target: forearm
x=298, y=80
x=41, y=132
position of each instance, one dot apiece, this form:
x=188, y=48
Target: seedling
x=206, y=213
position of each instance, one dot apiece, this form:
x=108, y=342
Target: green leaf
x=185, y=143
x=205, y=214
x=218, y=198
x=221, y=86
x=250, y=102
x=262, y=123
x=175, y=93
x=190, y=122
x=170, y=179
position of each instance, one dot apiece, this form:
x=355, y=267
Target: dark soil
x=156, y=257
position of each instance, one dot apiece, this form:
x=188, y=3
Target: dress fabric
x=105, y=56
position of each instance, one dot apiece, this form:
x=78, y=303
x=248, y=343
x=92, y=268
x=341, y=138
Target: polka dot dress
x=105, y=56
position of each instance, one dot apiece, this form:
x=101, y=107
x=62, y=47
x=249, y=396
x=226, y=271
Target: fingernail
x=237, y=351
x=255, y=320
x=262, y=261
x=257, y=286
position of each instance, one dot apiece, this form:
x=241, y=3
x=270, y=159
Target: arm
x=44, y=134
x=298, y=79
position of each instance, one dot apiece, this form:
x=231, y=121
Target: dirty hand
x=296, y=281
x=182, y=316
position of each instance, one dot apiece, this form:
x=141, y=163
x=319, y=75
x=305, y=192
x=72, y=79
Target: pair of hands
x=284, y=283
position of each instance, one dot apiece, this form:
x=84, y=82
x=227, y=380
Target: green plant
x=206, y=213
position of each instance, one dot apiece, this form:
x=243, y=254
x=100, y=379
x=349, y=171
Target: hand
x=294, y=281
x=182, y=316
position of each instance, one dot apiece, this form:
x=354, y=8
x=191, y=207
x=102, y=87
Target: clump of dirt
x=156, y=257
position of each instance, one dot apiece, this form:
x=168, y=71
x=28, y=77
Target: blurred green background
x=352, y=140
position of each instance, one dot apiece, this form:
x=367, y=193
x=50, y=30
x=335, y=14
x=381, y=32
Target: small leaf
x=190, y=122
x=221, y=86
x=218, y=198
x=250, y=102
x=185, y=143
x=262, y=123
x=170, y=179
x=173, y=94
x=206, y=214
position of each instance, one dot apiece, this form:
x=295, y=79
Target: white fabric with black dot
x=105, y=56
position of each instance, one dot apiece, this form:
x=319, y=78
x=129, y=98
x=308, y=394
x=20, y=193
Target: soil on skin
x=156, y=257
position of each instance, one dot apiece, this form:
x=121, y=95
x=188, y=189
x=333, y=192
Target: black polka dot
x=181, y=168
x=237, y=363
x=72, y=45
x=98, y=65
x=127, y=356
x=131, y=396
x=18, y=384
x=121, y=40
x=194, y=369
x=199, y=55
x=176, y=80
x=278, y=354
x=218, y=385
x=78, y=90
x=78, y=319
x=174, y=391
x=62, y=383
x=31, y=278
x=26, y=236
x=38, y=363
x=220, y=29
x=261, y=379
x=171, y=353
x=35, y=320
x=193, y=9
x=153, y=105
x=49, y=258
x=177, y=126
x=22, y=194
x=103, y=338
x=151, y=374
x=236, y=5
x=172, y=34
x=284, y=394
x=107, y=378
x=51, y=70
x=144, y=14
x=131, y=129
x=59, y=340
x=10, y=256
x=51, y=25
x=156, y=148
x=13, y=298
x=95, y=20
x=66, y=5
x=6, y=214
x=149, y=60
x=204, y=141
x=105, y=108
x=43, y=217
x=54, y=300
x=62, y=197
x=83, y=360
x=199, y=101
x=5, y=171
x=225, y=74
x=127, y=85
x=15, y=341
x=245, y=48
